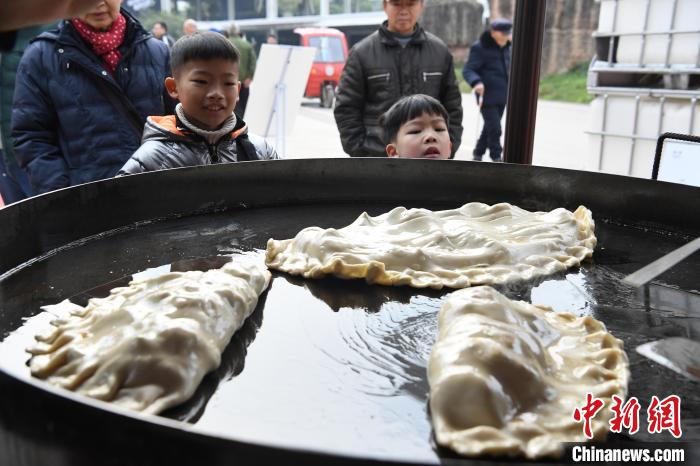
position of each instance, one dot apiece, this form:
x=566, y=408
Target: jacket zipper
x=212, y=152
x=426, y=75
x=378, y=76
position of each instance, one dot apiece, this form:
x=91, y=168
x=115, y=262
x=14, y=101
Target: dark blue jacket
x=72, y=121
x=489, y=64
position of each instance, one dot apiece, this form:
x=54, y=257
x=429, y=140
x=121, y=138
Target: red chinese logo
x=665, y=415
x=587, y=413
x=661, y=415
x=625, y=416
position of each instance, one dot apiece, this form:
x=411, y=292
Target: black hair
x=407, y=108
x=162, y=24
x=201, y=46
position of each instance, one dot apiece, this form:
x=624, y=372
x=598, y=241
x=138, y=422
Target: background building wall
x=458, y=23
x=569, y=26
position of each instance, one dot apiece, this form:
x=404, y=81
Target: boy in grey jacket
x=204, y=129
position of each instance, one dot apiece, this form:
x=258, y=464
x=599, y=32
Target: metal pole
x=611, y=44
x=662, y=104
x=524, y=81
x=644, y=36
x=281, y=117
x=231, y=9
x=633, y=143
x=669, y=40
x=272, y=9
x=601, y=151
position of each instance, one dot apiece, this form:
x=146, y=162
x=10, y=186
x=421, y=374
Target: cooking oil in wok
x=339, y=366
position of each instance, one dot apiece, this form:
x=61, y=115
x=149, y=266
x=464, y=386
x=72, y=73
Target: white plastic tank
x=623, y=155
x=620, y=17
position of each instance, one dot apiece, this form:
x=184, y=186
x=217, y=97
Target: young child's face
x=425, y=137
x=207, y=90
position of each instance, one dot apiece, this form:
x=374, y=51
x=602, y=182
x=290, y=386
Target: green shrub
x=566, y=87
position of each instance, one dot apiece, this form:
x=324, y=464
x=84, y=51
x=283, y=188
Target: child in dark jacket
x=416, y=127
x=204, y=129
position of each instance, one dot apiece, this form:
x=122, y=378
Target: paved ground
x=560, y=140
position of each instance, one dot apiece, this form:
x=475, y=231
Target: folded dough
x=147, y=346
x=505, y=376
x=475, y=244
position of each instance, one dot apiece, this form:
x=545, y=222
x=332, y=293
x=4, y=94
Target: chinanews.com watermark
x=662, y=415
x=645, y=453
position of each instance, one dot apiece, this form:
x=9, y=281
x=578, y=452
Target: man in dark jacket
x=160, y=32
x=78, y=116
x=399, y=59
x=487, y=72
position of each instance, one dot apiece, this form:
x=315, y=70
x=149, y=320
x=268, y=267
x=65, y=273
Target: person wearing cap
x=247, y=64
x=487, y=71
x=397, y=60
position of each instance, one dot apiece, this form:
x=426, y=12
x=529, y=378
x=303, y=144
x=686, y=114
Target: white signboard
x=280, y=79
x=680, y=162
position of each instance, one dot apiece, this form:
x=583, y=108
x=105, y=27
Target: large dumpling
x=147, y=346
x=506, y=376
x=476, y=244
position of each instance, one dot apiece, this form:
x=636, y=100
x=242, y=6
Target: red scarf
x=104, y=43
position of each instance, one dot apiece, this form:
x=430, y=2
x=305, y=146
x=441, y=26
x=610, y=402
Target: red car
x=331, y=53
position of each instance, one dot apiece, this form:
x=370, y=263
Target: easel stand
x=281, y=75
x=279, y=109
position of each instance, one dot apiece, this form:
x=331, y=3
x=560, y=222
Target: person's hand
x=16, y=14
x=246, y=82
x=479, y=91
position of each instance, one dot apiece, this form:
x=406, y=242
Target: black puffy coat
x=169, y=144
x=489, y=64
x=66, y=131
x=378, y=72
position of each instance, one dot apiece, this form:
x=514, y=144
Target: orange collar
x=169, y=123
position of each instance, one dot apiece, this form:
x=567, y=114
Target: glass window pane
x=210, y=10
x=248, y=9
x=328, y=49
x=298, y=7
x=354, y=6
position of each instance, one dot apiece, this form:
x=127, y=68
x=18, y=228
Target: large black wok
x=325, y=372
